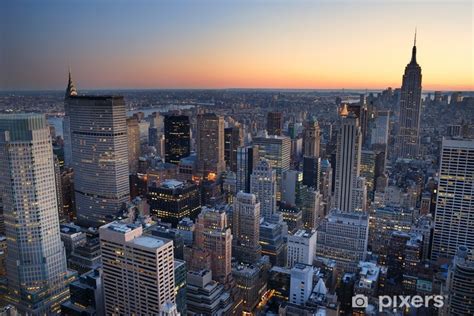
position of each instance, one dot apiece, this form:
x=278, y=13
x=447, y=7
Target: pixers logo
x=400, y=302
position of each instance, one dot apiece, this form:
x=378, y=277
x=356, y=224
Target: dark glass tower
x=408, y=140
x=177, y=138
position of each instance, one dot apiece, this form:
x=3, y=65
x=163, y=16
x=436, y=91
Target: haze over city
x=229, y=44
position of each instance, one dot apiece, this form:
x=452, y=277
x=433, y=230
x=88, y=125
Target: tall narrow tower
x=408, y=139
x=36, y=261
x=210, y=145
x=347, y=160
x=455, y=205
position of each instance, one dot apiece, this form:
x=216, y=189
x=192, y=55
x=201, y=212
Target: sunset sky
x=234, y=44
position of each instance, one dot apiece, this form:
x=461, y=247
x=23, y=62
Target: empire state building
x=408, y=139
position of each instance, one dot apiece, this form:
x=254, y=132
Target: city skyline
x=210, y=45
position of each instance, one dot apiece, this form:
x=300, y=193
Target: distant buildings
x=233, y=139
x=210, y=145
x=36, y=258
x=274, y=123
x=133, y=136
x=455, y=201
x=138, y=270
x=177, y=138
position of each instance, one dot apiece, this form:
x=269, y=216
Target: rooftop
x=148, y=242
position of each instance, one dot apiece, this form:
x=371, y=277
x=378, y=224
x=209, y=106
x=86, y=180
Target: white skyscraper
x=301, y=283
x=277, y=150
x=454, y=215
x=36, y=260
x=301, y=247
x=138, y=270
x=263, y=185
x=349, y=143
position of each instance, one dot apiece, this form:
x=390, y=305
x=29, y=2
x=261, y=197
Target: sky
x=234, y=44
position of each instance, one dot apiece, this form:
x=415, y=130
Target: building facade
x=36, y=258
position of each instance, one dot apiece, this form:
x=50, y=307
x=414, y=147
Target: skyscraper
x=263, y=186
x=70, y=91
x=98, y=132
x=247, y=159
x=36, y=259
x=408, y=139
x=213, y=234
x=133, y=135
x=276, y=149
x=177, y=138
x=274, y=123
x=460, y=283
x=138, y=270
x=233, y=139
x=210, y=145
x=343, y=237
x=311, y=139
x=174, y=200
x=348, y=154
x=246, y=228
x=454, y=215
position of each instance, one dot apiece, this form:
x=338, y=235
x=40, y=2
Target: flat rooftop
x=148, y=242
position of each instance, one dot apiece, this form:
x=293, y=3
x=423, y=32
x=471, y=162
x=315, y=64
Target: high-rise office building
x=210, y=145
x=36, y=259
x=177, y=138
x=263, y=186
x=98, y=133
x=174, y=200
x=213, y=234
x=460, y=283
x=233, y=139
x=347, y=160
x=133, y=135
x=311, y=139
x=325, y=185
x=247, y=159
x=138, y=270
x=274, y=123
x=343, y=237
x=246, y=228
x=408, y=138
x=455, y=203
x=380, y=130
x=276, y=149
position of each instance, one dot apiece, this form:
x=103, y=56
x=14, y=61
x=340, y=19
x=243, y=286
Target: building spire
x=413, y=51
x=71, y=89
